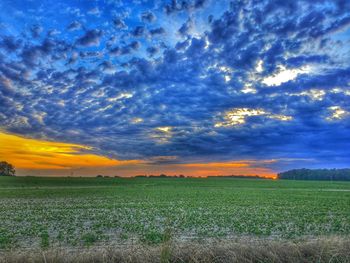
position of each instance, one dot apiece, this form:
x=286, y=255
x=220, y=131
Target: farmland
x=81, y=212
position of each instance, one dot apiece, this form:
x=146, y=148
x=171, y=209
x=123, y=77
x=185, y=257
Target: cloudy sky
x=198, y=87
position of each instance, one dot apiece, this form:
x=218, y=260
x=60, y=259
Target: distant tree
x=7, y=169
x=316, y=174
x=99, y=175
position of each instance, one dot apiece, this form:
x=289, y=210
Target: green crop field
x=46, y=212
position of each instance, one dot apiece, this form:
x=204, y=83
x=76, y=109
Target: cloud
x=38, y=154
x=185, y=28
x=186, y=5
x=239, y=116
x=273, y=77
x=157, y=31
x=119, y=23
x=90, y=38
x=148, y=17
x=94, y=11
x=36, y=30
x=10, y=44
x=139, y=31
x=75, y=25
x=284, y=75
x=152, y=50
x=337, y=113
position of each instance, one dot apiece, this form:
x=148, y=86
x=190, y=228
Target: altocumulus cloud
x=199, y=80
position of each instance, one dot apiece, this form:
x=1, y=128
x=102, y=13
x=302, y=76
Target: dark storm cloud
x=161, y=88
x=90, y=38
x=182, y=45
x=75, y=25
x=299, y=61
x=185, y=28
x=115, y=51
x=10, y=44
x=135, y=45
x=157, y=31
x=107, y=67
x=36, y=30
x=125, y=50
x=183, y=5
x=139, y=31
x=152, y=50
x=31, y=55
x=148, y=16
x=119, y=23
x=94, y=11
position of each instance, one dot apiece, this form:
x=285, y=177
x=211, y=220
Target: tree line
x=316, y=174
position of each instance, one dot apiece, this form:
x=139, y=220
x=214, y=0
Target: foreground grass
x=318, y=250
x=46, y=213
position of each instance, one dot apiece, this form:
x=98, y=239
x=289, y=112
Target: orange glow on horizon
x=242, y=167
x=217, y=164
x=25, y=153
x=58, y=158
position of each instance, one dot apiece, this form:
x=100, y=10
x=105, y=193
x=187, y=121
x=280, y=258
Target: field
x=84, y=212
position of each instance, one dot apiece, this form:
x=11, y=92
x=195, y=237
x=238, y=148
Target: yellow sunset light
x=27, y=153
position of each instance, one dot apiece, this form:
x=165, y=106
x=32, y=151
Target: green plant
x=89, y=239
x=44, y=240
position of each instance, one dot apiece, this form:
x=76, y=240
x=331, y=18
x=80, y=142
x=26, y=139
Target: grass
x=46, y=213
x=330, y=250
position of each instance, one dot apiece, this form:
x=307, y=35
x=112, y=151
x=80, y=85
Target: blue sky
x=178, y=82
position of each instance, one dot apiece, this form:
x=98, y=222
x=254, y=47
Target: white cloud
x=314, y=94
x=120, y=97
x=238, y=116
x=337, y=113
x=162, y=134
x=285, y=75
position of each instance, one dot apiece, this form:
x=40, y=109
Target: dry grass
x=317, y=250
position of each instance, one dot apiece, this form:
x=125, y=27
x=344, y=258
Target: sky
x=193, y=87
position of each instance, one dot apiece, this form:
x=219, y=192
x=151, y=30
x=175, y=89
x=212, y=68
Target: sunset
x=159, y=123
x=39, y=157
x=192, y=81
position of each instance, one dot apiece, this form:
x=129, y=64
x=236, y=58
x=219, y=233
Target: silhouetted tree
x=7, y=169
